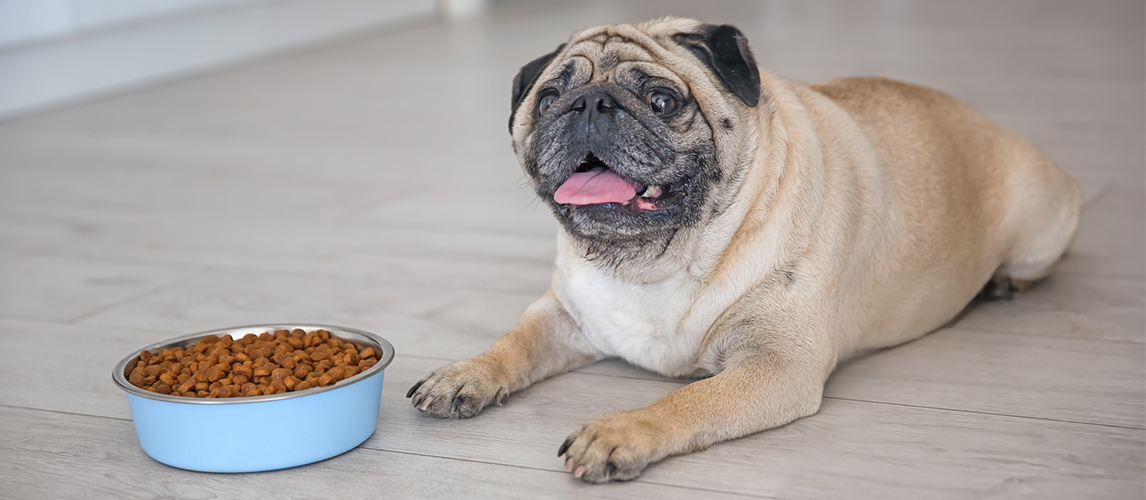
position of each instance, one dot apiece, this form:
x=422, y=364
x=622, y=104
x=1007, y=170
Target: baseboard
x=46, y=75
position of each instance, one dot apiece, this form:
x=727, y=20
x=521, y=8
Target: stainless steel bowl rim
x=384, y=359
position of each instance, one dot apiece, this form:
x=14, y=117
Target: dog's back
x=964, y=200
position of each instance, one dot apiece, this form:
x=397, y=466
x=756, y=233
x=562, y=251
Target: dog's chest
x=639, y=323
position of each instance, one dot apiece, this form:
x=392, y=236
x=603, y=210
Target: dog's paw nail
x=454, y=405
x=569, y=464
x=426, y=404
x=579, y=472
x=415, y=388
x=564, y=447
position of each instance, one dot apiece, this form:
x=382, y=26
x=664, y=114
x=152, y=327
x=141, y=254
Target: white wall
x=114, y=53
x=23, y=21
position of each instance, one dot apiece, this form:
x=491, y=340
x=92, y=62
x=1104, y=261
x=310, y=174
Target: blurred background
x=172, y=166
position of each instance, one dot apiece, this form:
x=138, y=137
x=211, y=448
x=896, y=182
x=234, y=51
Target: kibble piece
x=301, y=371
x=212, y=373
x=280, y=374
x=264, y=369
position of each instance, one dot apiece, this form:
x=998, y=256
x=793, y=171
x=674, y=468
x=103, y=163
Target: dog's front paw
x=614, y=447
x=459, y=390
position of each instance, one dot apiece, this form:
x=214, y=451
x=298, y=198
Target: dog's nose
x=594, y=107
x=596, y=102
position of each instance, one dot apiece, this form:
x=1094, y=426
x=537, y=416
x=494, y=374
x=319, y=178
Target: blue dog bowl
x=258, y=433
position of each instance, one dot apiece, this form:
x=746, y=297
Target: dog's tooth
x=652, y=192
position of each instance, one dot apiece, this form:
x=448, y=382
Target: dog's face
x=619, y=129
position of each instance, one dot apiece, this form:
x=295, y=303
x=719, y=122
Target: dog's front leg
x=544, y=342
x=759, y=390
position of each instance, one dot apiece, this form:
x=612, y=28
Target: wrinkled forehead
x=617, y=57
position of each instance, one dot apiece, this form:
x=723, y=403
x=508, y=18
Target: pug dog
x=721, y=223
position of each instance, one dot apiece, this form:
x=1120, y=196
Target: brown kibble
x=256, y=364
x=212, y=373
x=280, y=374
x=311, y=339
x=265, y=369
x=325, y=380
x=301, y=371
x=319, y=355
x=289, y=363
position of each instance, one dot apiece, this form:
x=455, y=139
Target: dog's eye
x=663, y=103
x=546, y=100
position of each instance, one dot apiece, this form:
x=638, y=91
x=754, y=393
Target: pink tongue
x=599, y=185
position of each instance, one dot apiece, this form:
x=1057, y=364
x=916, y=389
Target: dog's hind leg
x=1043, y=216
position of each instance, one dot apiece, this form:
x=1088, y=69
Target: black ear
x=724, y=49
x=523, y=82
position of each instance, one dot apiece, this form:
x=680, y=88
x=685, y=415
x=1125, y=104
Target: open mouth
x=594, y=183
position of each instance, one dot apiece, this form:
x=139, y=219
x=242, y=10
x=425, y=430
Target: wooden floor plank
x=1064, y=379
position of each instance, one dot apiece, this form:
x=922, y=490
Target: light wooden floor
x=371, y=184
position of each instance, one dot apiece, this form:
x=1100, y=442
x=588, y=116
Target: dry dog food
x=255, y=365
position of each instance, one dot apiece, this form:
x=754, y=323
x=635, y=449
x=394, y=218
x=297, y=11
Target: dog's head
x=632, y=133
